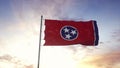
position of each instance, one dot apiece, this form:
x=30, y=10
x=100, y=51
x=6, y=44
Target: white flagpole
x=38, y=65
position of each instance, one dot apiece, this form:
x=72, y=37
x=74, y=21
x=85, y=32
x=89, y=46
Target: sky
x=20, y=25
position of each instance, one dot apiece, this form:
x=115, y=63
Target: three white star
x=69, y=33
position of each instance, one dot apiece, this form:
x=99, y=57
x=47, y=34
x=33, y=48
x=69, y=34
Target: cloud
x=6, y=57
x=35, y=8
x=17, y=63
x=115, y=39
x=23, y=34
x=30, y=66
x=80, y=52
x=116, y=34
x=109, y=60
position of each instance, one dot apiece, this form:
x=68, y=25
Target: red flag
x=61, y=33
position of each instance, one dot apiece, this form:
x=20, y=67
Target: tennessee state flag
x=63, y=32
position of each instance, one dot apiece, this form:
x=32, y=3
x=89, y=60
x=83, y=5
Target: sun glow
x=56, y=57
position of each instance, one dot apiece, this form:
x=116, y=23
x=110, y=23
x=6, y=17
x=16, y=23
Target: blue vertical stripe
x=96, y=33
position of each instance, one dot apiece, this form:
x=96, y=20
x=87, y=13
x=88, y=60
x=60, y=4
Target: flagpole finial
x=41, y=16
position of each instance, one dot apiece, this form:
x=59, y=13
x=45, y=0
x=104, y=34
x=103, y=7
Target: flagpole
x=38, y=65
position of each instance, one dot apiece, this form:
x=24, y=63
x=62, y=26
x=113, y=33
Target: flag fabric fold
x=63, y=32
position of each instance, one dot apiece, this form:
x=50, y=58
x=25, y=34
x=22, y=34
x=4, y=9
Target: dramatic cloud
x=36, y=8
x=13, y=62
x=20, y=37
x=109, y=60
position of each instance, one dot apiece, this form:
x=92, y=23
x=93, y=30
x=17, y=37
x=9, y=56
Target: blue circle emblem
x=69, y=33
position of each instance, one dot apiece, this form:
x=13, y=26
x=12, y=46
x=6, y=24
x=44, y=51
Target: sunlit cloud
x=34, y=9
x=109, y=60
x=13, y=62
x=19, y=40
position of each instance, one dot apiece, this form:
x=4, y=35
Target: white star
x=73, y=32
x=68, y=36
x=66, y=30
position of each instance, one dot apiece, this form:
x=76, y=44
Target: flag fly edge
x=96, y=34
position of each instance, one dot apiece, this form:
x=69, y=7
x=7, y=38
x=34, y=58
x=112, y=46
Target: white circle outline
x=69, y=39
